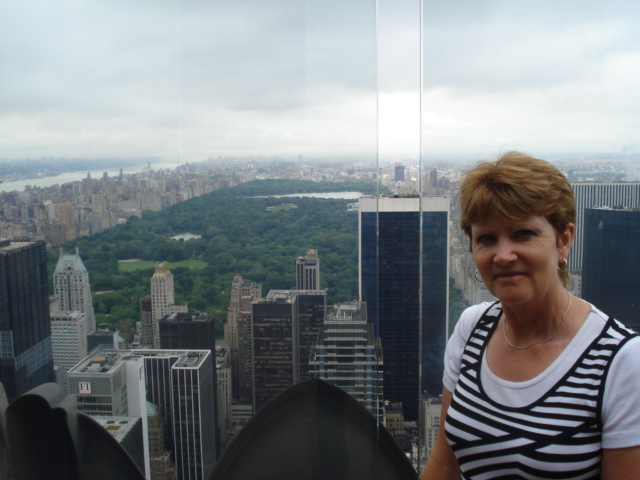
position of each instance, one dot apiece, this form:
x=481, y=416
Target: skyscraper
x=594, y=195
x=187, y=331
x=26, y=358
x=191, y=331
x=71, y=286
x=432, y=408
x=111, y=383
x=311, y=310
x=68, y=342
x=274, y=347
x=611, y=255
x=194, y=415
x=67, y=219
x=284, y=327
x=181, y=382
x=348, y=355
x=238, y=333
x=404, y=279
x=224, y=396
x=308, y=271
x=162, y=299
x=160, y=465
x=146, y=320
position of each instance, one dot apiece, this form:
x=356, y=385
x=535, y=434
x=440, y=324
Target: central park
x=246, y=230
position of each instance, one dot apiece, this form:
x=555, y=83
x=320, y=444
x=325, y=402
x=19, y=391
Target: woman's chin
x=510, y=296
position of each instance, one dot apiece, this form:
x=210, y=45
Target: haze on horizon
x=191, y=80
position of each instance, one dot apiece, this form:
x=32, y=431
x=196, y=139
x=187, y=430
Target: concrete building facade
x=237, y=332
x=71, y=286
x=162, y=298
x=68, y=342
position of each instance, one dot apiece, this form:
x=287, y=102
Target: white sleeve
x=457, y=342
x=620, y=412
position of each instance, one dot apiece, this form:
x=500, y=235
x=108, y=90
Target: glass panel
x=552, y=79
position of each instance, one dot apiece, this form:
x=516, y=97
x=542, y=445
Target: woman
x=540, y=384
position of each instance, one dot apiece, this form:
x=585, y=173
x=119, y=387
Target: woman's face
x=518, y=259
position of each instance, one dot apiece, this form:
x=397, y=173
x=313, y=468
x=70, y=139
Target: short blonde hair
x=515, y=186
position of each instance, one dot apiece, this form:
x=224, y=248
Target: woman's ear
x=565, y=240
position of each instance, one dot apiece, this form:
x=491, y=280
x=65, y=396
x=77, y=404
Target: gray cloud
x=202, y=78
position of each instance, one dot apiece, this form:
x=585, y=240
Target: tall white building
x=112, y=383
x=71, y=286
x=432, y=407
x=68, y=342
x=162, y=299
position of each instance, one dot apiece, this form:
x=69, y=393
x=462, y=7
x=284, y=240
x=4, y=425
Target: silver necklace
x=504, y=329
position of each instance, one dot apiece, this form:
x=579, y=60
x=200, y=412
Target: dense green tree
x=239, y=236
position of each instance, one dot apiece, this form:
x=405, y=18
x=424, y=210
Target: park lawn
x=284, y=206
x=149, y=264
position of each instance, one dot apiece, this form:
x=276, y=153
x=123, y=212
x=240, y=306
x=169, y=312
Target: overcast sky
x=192, y=79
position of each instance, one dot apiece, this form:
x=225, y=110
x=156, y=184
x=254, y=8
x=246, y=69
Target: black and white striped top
x=558, y=436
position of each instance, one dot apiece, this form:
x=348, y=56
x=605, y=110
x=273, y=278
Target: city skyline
x=430, y=354
x=186, y=82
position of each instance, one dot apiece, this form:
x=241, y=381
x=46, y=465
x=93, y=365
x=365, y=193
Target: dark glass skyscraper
x=308, y=271
x=405, y=283
x=284, y=327
x=26, y=358
x=611, y=255
x=597, y=195
x=187, y=330
x=191, y=331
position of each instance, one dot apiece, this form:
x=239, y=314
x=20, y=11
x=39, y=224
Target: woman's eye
x=484, y=239
x=525, y=234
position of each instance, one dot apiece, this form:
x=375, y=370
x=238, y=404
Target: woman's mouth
x=508, y=275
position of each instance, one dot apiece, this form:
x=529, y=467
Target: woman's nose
x=504, y=252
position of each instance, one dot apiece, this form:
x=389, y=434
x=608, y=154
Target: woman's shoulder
x=480, y=307
x=474, y=312
x=470, y=316
x=601, y=318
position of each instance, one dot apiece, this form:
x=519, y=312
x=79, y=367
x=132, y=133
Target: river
x=69, y=177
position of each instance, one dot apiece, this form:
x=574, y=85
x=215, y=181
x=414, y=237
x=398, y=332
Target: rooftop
x=119, y=426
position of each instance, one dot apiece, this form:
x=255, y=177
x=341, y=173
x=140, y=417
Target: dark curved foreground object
x=313, y=431
x=49, y=439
